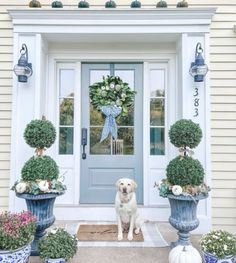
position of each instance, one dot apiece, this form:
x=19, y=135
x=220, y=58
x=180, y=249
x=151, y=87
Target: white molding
x=42, y=28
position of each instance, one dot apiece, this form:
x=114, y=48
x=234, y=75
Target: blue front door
x=110, y=160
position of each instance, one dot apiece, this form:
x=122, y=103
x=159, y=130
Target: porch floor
x=127, y=254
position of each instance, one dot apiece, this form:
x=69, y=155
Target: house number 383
x=196, y=102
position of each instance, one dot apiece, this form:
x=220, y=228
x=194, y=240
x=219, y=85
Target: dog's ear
x=134, y=184
x=118, y=183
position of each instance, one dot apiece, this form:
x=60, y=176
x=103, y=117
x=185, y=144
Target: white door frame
x=37, y=28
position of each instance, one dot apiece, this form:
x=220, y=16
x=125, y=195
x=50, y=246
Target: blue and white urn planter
x=184, y=216
x=209, y=258
x=20, y=255
x=42, y=207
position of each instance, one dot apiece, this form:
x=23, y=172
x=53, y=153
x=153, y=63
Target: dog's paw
x=130, y=236
x=136, y=231
x=120, y=237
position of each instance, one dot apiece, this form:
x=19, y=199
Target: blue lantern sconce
x=198, y=68
x=23, y=69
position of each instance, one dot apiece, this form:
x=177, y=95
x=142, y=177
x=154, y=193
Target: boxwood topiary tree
x=184, y=170
x=40, y=134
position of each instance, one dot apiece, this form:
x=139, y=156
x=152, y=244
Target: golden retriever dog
x=126, y=208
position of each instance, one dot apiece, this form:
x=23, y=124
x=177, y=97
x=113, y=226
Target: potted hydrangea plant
x=184, y=185
x=58, y=246
x=16, y=234
x=40, y=183
x=218, y=246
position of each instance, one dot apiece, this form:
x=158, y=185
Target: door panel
x=110, y=160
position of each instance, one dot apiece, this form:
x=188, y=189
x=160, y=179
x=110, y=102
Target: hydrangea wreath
x=112, y=91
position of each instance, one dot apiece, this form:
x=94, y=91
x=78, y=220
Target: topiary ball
x=35, y=4
x=185, y=133
x=40, y=168
x=83, y=4
x=57, y=4
x=185, y=171
x=182, y=3
x=110, y=4
x=135, y=4
x=40, y=134
x=161, y=4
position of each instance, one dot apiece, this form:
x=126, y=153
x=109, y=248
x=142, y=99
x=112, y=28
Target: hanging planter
x=35, y=4
x=182, y=3
x=57, y=4
x=83, y=4
x=110, y=4
x=135, y=4
x=161, y=4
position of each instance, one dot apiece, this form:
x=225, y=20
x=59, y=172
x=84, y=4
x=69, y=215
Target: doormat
x=151, y=235
x=96, y=232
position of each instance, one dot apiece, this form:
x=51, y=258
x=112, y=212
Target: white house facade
x=152, y=50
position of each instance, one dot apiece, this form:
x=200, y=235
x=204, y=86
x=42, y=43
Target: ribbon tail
x=113, y=129
x=105, y=130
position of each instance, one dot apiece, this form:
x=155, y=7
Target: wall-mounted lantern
x=23, y=69
x=198, y=68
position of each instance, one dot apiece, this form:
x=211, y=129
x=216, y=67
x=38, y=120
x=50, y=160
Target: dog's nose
x=125, y=190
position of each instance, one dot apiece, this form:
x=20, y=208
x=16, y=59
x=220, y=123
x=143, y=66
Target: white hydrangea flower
x=21, y=187
x=112, y=85
x=225, y=247
x=54, y=230
x=177, y=190
x=43, y=185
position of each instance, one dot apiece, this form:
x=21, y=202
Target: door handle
x=84, y=142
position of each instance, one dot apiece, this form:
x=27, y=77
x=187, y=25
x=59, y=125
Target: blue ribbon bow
x=111, y=112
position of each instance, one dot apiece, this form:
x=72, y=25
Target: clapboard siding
x=223, y=100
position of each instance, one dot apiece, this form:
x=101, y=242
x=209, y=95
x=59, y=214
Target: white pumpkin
x=184, y=254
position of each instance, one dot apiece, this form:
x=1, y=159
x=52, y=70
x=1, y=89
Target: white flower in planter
x=177, y=190
x=21, y=187
x=54, y=230
x=43, y=185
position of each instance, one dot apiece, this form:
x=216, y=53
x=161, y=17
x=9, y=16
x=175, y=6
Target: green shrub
x=40, y=134
x=185, y=133
x=185, y=171
x=58, y=245
x=41, y=168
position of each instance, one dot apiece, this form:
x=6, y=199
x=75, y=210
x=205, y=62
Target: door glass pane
x=66, y=83
x=125, y=141
x=157, y=111
x=157, y=83
x=96, y=117
x=66, y=140
x=126, y=120
x=97, y=75
x=66, y=110
x=126, y=76
x=157, y=141
x=95, y=146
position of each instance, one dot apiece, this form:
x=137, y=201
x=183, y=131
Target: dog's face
x=126, y=185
